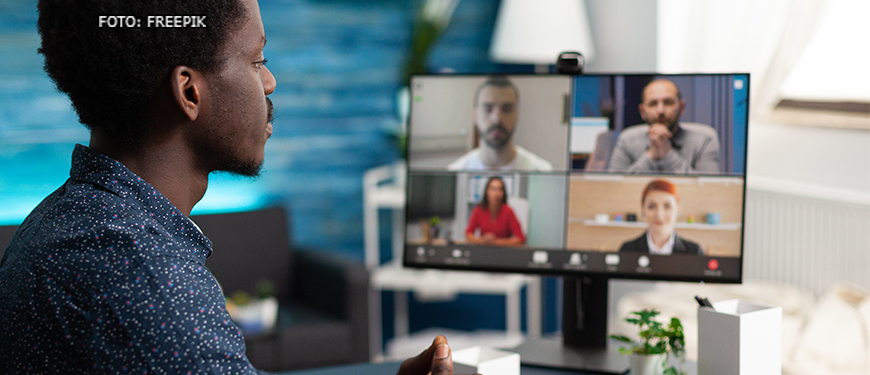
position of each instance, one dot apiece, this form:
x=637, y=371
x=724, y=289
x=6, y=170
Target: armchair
x=323, y=314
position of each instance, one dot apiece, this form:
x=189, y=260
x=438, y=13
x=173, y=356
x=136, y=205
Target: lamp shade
x=537, y=31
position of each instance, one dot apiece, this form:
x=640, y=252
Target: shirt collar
x=100, y=170
x=666, y=249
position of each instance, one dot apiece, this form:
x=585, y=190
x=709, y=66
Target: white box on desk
x=740, y=338
x=486, y=361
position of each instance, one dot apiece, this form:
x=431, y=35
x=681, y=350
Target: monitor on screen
x=630, y=176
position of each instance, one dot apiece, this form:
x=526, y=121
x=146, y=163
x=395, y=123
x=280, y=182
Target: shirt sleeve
x=644, y=163
x=473, y=223
x=619, y=159
x=707, y=159
x=629, y=156
x=175, y=316
x=514, y=225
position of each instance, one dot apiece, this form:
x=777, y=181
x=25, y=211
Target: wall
x=808, y=205
x=821, y=157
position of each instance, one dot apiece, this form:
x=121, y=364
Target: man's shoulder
x=81, y=220
x=462, y=162
x=526, y=160
x=634, y=131
x=635, y=136
x=698, y=129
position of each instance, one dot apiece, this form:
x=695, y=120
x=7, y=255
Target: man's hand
x=488, y=238
x=436, y=360
x=659, y=141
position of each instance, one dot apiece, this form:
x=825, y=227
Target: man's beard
x=251, y=168
x=240, y=168
x=672, y=125
x=497, y=143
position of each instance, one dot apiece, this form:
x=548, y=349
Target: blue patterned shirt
x=106, y=276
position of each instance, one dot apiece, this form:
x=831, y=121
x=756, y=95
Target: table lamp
x=537, y=31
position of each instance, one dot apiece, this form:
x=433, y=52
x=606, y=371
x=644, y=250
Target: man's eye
x=262, y=62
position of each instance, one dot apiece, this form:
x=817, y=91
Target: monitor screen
x=638, y=176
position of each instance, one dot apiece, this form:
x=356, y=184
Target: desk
x=390, y=368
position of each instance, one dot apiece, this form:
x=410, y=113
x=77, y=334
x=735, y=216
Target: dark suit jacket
x=681, y=246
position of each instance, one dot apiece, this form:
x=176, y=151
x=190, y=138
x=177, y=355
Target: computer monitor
x=591, y=177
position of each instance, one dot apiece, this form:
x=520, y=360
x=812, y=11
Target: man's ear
x=187, y=90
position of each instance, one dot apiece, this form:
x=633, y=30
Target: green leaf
x=647, y=314
x=650, y=349
x=656, y=337
x=621, y=338
x=265, y=289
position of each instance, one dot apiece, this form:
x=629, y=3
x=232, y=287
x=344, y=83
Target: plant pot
x=258, y=315
x=643, y=364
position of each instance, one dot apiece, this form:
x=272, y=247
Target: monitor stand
x=584, y=344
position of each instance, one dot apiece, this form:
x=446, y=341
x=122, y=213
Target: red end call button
x=713, y=265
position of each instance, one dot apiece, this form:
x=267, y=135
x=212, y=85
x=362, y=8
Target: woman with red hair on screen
x=496, y=220
x=659, y=207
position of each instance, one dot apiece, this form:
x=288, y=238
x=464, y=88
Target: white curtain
x=764, y=38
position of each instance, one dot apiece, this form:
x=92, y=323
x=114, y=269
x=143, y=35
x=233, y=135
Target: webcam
x=570, y=63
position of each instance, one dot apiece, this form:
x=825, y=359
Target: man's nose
x=269, y=82
x=496, y=116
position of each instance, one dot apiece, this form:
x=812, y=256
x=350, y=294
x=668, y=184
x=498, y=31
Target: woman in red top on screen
x=494, y=218
x=660, y=205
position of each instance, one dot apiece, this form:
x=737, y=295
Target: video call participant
x=496, y=111
x=659, y=207
x=496, y=221
x=664, y=144
x=107, y=275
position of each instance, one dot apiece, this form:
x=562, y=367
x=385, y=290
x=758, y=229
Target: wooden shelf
x=641, y=224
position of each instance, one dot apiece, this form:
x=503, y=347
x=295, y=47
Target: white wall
x=828, y=158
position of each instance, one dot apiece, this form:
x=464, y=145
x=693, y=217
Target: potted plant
x=651, y=355
x=254, y=314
